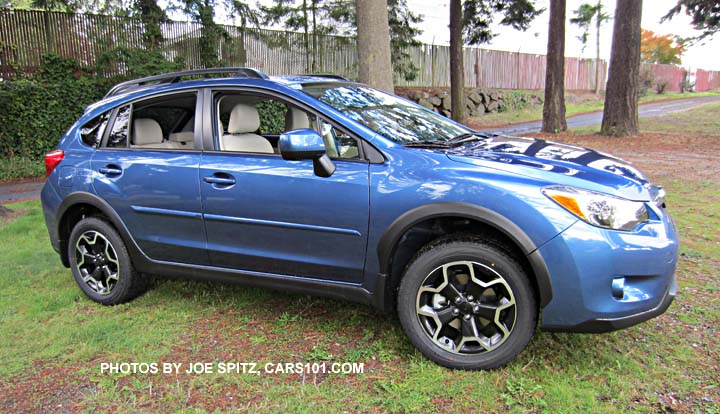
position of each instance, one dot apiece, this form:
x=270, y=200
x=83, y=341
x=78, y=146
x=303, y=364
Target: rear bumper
x=584, y=261
x=51, y=200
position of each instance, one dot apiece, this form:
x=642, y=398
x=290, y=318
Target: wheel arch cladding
x=81, y=204
x=477, y=218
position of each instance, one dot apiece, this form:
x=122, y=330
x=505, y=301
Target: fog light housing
x=618, y=287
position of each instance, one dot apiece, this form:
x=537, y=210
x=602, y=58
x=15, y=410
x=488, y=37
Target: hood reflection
x=546, y=155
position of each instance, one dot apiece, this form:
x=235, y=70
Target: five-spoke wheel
x=97, y=262
x=101, y=264
x=466, y=307
x=467, y=304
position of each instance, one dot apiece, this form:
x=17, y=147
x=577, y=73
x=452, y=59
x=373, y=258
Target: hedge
x=36, y=109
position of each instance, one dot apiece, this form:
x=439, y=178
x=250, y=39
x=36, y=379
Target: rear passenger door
x=147, y=169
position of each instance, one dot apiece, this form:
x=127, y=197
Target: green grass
x=14, y=168
x=535, y=113
x=46, y=321
x=52, y=338
x=700, y=120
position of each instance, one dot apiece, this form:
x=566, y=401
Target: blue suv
x=319, y=185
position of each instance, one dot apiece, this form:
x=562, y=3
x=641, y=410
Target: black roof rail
x=315, y=75
x=176, y=77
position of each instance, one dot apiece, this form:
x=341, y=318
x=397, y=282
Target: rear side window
x=118, y=137
x=92, y=132
x=165, y=122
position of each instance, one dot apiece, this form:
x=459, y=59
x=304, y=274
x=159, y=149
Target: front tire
x=467, y=304
x=101, y=264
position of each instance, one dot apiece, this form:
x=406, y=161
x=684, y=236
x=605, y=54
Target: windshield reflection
x=394, y=118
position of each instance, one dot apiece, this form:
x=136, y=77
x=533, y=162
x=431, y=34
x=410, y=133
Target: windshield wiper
x=428, y=144
x=466, y=137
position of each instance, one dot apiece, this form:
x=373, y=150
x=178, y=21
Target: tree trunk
x=554, y=106
x=598, y=22
x=373, y=44
x=306, y=39
x=620, y=115
x=315, y=37
x=457, y=70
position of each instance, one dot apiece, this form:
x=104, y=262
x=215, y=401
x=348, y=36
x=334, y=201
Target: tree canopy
x=705, y=15
x=585, y=15
x=478, y=16
x=665, y=49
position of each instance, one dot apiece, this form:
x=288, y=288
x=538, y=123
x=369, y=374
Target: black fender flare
x=388, y=242
x=82, y=197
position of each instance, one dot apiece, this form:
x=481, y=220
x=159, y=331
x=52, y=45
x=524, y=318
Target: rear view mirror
x=306, y=144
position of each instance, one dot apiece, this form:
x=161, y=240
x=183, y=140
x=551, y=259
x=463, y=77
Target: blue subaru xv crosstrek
x=319, y=185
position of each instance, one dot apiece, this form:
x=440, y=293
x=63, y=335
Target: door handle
x=224, y=181
x=110, y=170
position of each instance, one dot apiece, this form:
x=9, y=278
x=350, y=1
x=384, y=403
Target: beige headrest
x=296, y=119
x=243, y=119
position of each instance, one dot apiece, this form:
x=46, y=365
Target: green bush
x=35, y=110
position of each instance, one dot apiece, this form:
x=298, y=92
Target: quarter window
x=92, y=132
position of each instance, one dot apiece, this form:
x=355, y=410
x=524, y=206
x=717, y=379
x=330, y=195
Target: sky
x=534, y=40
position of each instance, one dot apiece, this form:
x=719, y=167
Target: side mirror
x=306, y=144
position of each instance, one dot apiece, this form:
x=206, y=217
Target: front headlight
x=599, y=209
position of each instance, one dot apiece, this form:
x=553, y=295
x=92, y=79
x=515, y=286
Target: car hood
x=557, y=163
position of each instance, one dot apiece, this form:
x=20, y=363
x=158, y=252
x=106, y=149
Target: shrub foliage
x=36, y=109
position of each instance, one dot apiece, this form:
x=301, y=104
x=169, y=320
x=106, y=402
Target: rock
x=492, y=106
x=494, y=96
x=435, y=101
x=485, y=98
x=475, y=98
x=4, y=211
x=447, y=114
x=425, y=103
x=425, y=95
x=446, y=103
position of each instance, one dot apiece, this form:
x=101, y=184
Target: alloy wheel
x=97, y=262
x=466, y=307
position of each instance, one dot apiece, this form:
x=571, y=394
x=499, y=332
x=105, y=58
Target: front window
x=396, y=119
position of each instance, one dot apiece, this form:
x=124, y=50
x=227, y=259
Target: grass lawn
x=588, y=104
x=53, y=339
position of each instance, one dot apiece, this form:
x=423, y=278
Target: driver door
x=269, y=215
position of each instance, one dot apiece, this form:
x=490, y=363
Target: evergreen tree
x=476, y=17
x=705, y=15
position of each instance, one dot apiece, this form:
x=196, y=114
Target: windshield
x=396, y=119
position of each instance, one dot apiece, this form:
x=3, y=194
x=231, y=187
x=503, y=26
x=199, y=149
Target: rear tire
x=467, y=304
x=101, y=264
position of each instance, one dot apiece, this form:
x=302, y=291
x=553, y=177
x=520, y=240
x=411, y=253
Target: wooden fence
x=673, y=76
x=26, y=35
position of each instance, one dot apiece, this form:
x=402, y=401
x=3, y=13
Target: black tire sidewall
x=441, y=253
x=123, y=289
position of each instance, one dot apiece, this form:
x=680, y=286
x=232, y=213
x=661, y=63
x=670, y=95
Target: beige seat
x=183, y=140
x=297, y=119
x=148, y=134
x=240, y=137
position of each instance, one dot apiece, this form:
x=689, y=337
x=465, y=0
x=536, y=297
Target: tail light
x=52, y=159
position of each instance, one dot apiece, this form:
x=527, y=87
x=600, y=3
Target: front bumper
x=600, y=325
x=583, y=262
